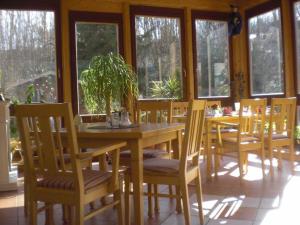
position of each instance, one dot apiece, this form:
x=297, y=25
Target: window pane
x=93, y=39
x=297, y=38
x=28, y=55
x=158, y=57
x=212, y=58
x=265, y=44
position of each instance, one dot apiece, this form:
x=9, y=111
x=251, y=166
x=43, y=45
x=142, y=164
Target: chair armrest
x=107, y=148
x=220, y=123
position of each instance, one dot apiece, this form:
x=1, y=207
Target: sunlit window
x=265, y=53
x=28, y=55
x=158, y=57
x=93, y=39
x=212, y=46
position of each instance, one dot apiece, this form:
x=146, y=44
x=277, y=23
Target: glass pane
x=297, y=38
x=265, y=44
x=212, y=58
x=28, y=55
x=158, y=57
x=93, y=39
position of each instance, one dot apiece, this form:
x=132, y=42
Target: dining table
x=93, y=135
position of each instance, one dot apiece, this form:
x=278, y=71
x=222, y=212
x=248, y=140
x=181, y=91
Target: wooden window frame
x=214, y=16
x=160, y=12
x=96, y=17
x=296, y=69
x=42, y=5
x=256, y=11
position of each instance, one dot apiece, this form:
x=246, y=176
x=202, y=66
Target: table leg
x=176, y=145
x=137, y=180
x=208, y=150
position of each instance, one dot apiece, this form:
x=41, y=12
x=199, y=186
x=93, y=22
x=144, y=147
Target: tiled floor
x=254, y=201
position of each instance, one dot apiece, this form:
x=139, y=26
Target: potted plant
x=107, y=82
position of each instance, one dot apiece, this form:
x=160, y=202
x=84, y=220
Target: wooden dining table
x=144, y=135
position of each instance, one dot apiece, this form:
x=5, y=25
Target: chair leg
x=292, y=156
x=240, y=161
x=79, y=214
x=49, y=214
x=170, y=191
x=270, y=150
x=156, y=202
x=127, y=200
x=186, y=204
x=178, y=200
x=150, y=207
x=119, y=207
x=33, y=212
x=263, y=161
x=199, y=198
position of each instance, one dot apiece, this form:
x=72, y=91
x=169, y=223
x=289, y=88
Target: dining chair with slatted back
x=154, y=111
x=250, y=135
x=179, y=109
x=281, y=129
x=52, y=182
x=180, y=172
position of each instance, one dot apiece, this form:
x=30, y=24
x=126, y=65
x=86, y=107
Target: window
x=157, y=49
x=212, y=55
x=265, y=53
x=28, y=58
x=93, y=34
x=297, y=39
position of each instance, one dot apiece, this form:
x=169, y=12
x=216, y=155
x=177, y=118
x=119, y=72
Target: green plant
x=297, y=132
x=106, y=82
x=167, y=89
x=30, y=92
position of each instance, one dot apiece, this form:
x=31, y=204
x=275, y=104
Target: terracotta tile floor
x=254, y=201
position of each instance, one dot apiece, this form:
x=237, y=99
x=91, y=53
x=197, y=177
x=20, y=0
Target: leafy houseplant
x=167, y=89
x=106, y=82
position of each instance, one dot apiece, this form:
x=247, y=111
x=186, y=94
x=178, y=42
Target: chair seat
x=245, y=139
x=163, y=167
x=225, y=130
x=276, y=136
x=91, y=178
x=147, y=154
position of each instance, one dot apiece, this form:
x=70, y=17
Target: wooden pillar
x=189, y=74
x=288, y=53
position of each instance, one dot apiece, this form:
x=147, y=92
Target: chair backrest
x=282, y=117
x=42, y=142
x=179, y=108
x=252, y=116
x=154, y=111
x=193, y=133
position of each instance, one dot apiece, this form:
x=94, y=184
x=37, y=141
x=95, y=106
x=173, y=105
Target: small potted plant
x=107, y=82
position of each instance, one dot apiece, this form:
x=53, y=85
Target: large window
x=265, y=52
x=158, y=52
x=28, y=59
x=93, y=34
x=297, y=39
x=212, y=55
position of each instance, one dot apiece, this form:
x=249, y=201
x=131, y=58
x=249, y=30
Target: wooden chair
x=178, y=172
x=179, y=109
x=152, y=112
x=281, y=128
x=51, y=182
x=250, y=135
